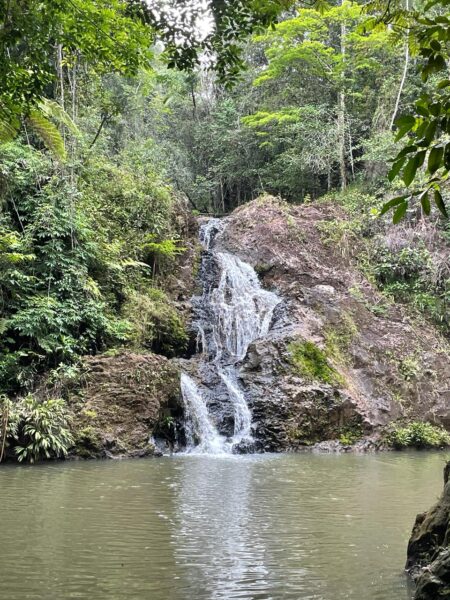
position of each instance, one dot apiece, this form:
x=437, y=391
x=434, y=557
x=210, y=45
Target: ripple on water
x=266, y=527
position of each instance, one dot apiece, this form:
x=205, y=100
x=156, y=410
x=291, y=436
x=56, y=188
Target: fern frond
x=7, y=131
x=48, y=133
x=52, y=109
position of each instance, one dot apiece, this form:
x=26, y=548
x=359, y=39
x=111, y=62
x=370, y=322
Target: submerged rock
x=429, y=549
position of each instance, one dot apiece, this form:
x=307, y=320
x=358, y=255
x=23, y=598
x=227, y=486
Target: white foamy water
x=238, y=311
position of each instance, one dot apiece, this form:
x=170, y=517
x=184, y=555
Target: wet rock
x=388, y=368
x=429, y=549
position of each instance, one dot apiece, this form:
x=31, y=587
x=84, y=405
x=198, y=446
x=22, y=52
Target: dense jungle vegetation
x=119, y=119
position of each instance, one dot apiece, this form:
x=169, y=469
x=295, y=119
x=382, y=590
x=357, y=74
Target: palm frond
x=7, y=131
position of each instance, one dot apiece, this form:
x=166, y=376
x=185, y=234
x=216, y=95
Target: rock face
x=429, y=549
x=339, y=362
x=123, y=402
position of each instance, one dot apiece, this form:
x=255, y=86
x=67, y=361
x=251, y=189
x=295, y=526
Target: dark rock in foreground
x=429, y=549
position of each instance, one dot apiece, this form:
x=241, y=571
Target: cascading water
x=233, y=311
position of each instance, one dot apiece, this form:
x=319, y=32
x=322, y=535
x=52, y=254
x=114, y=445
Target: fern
x=52, y=109
x=7, y=131
x=39, y=121
x=48, y=132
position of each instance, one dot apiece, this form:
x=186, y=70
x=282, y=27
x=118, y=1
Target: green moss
x=309, y=361
x=338, y=339
x=417, y=434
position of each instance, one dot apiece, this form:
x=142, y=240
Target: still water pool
x=302, y=527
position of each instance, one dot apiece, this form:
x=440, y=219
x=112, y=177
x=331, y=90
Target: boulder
x=429, y=549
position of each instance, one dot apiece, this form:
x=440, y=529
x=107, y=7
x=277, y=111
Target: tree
x=427, y=128
x=325, y=63
x=103, y=32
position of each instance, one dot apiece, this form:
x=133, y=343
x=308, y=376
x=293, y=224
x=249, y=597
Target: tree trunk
x=341, y=113
x=402, y=82
x=59, y=70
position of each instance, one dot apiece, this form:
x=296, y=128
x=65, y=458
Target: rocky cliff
x=429, y=548
x=122, y=403
x=333, y=365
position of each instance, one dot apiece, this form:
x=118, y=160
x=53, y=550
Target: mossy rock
x=311, y=363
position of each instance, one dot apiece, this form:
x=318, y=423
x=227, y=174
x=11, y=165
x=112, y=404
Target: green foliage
x=102, y=32
x=309, y=361
x=342, y=234
x=411, y=275
x=409, y=368
x=350, y=434
x=233, y=23
x=339, y=338
x=417, y=435
x=37, y=429
x=427, y=146
x=70, y=255
x=161, y=254
x=155, y=323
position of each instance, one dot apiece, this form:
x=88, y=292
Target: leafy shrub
x=311, y=363
x=161, y=253
x=417, y=435
x=155, y=323
x=37, y=429
x=412, y=275
x=350, y=435
x=408, y=264
x=72, y=253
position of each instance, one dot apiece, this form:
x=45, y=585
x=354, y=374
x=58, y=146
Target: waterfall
x=232, y=312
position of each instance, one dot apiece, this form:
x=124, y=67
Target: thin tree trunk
x=350, y=149
x=59, y=70
x=105, y=117
x=402, y=82
x=341, y=113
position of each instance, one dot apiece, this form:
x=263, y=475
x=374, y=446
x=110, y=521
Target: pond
x=302, y=527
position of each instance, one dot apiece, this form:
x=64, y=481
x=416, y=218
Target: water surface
x=301, y=527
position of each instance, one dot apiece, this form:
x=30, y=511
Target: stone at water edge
x=429, y=548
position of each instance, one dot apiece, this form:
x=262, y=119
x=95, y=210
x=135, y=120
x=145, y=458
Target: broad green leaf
x=406, y=150
x=395, y=169
x=404, y=124
x=435, y=159
x=440, y=203
x=393, y=202
x=409, y=172
x=425, y=202
x=400, y=213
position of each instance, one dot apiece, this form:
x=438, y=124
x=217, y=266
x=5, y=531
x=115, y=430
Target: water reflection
x=254, y=528
x=217, y=539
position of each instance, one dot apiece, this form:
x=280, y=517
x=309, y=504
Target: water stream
x=232, y=312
